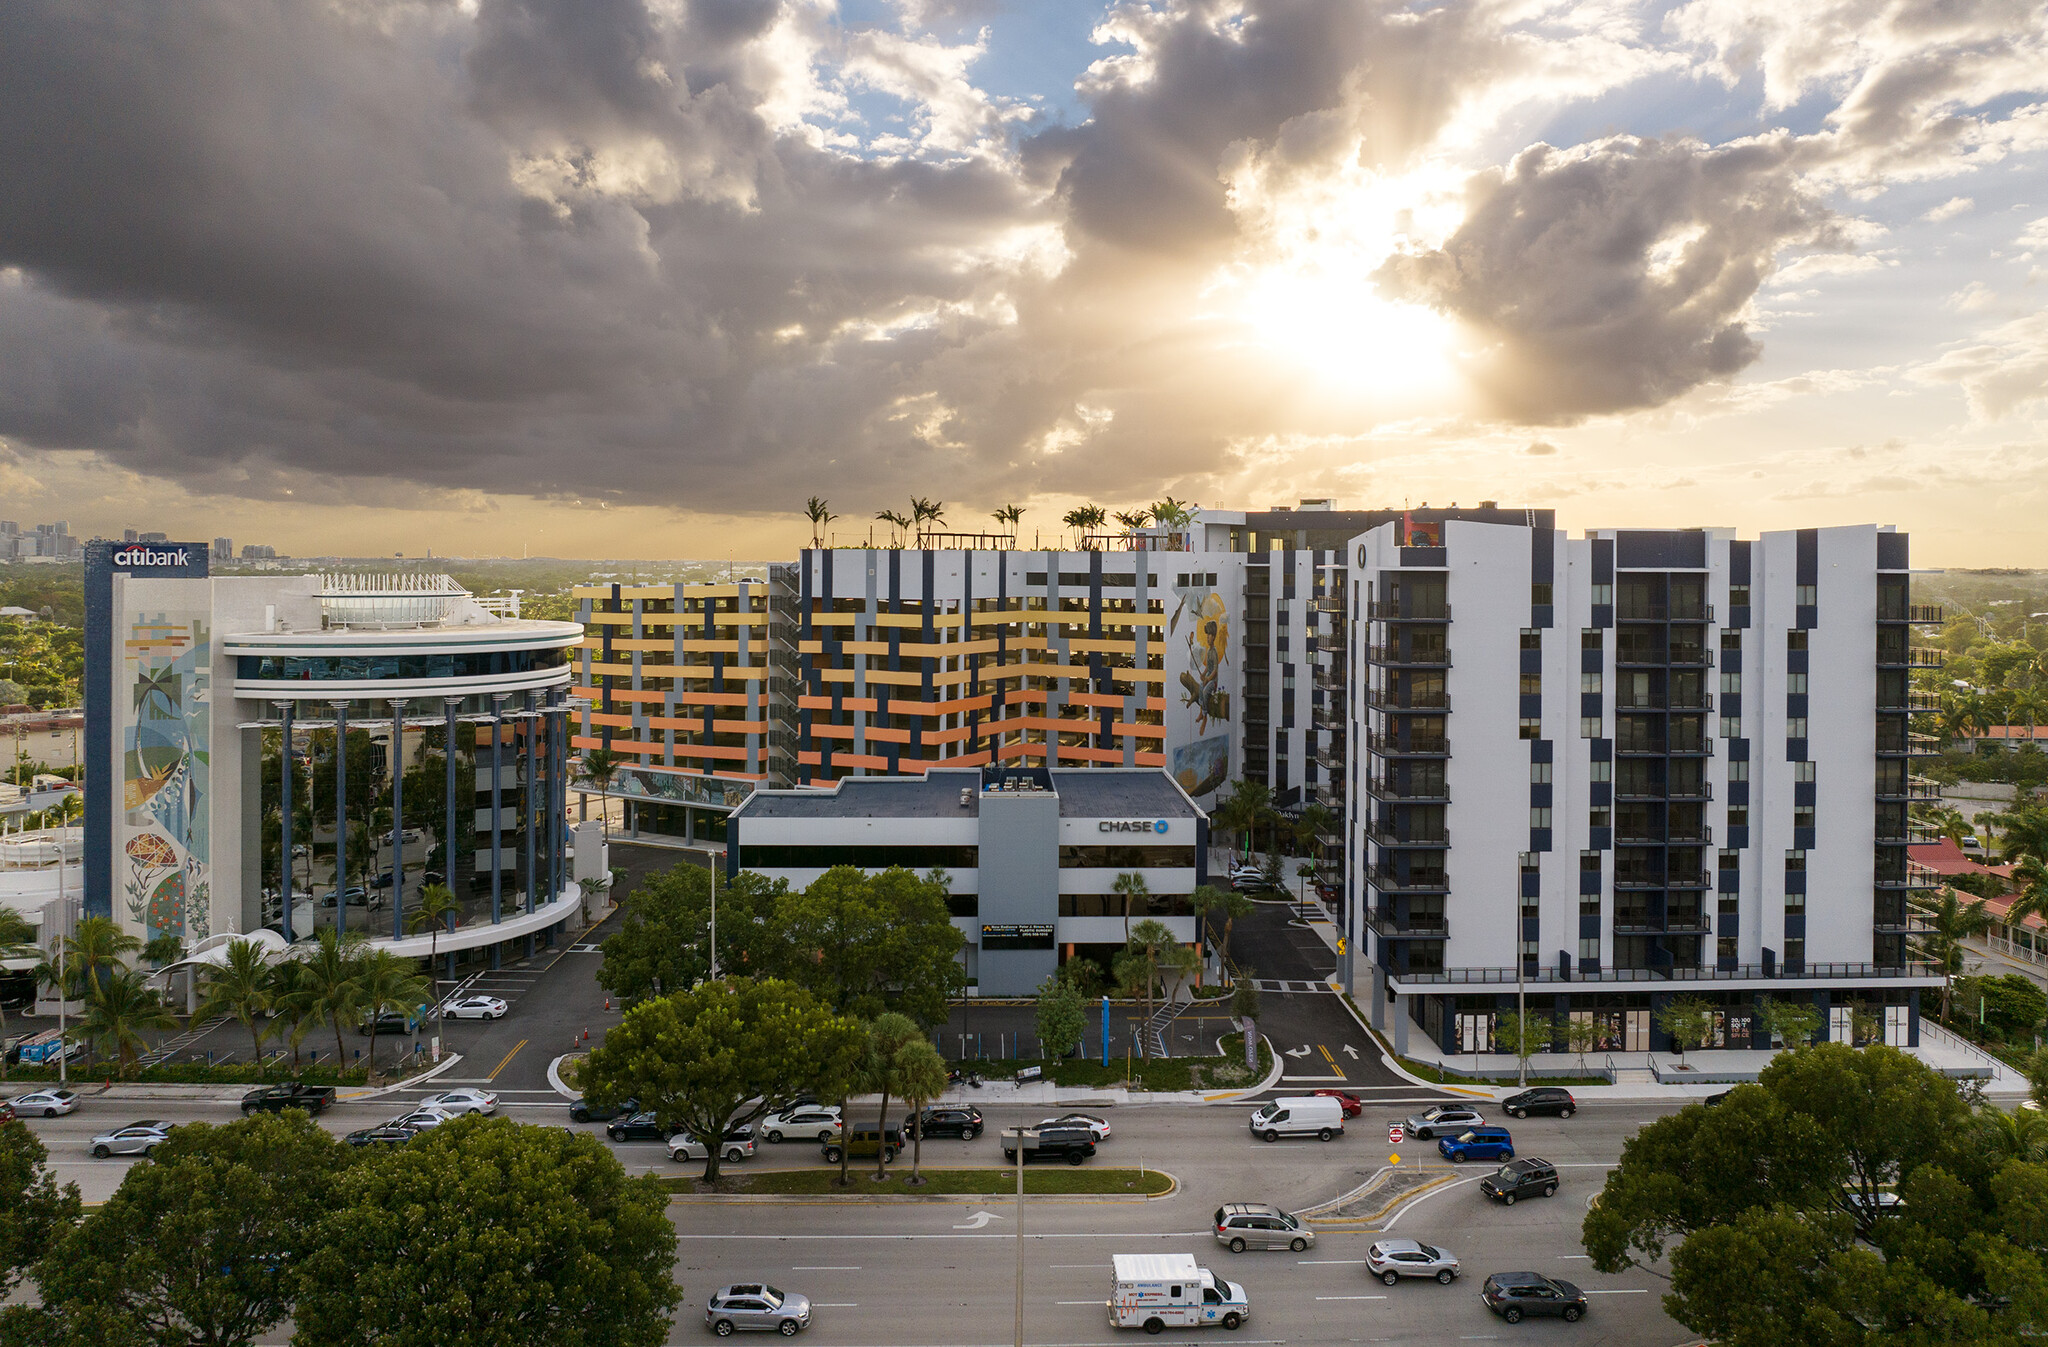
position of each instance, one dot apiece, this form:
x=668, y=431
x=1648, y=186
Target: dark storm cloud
x=1618, y=277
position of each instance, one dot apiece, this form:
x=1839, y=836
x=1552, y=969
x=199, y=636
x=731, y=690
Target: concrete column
x=284, y=891
x=529, y=793
x=449, y=705
x=1400, y=1026
x=497, y=814
x=340, y=816
x=398, y=820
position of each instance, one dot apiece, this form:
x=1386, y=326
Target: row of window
x=1088, y=905
x=397, y=668
x=870, y=856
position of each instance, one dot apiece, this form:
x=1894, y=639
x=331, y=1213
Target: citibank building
x=287, y=753
x=1033, y=854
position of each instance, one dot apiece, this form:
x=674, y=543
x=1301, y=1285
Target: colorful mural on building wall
x=1208, y=646
x=166, y=714
x=1202, y=766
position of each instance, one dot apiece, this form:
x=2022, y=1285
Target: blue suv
x=1477, y=1143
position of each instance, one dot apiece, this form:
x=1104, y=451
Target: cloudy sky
x=634, y=277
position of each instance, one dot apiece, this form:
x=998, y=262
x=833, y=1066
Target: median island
x=1067, y=1181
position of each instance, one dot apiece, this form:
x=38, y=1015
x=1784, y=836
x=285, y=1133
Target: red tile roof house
x=2007, y=737
x=1947, y=861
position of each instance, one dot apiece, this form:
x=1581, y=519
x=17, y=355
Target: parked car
x=475, y=1008
x=1444, y=1119
x=1392, y=1259
x=390, y=1022
x=639, y=1127
x=1099, y=1126
x=1514, y=1294
x=1248, y=879
x=139, y=1138
x=386, y=1135
x=802, y=1122
x=382, y=881
x=356, y=894
x=755, y=1305
x=950, y=1121
x=1260, y=1225
x=278, y=1098
x=865, y=1143
x=1350, y=1103
x=45, y=1103
x=462, y=1101
x=1543, y=1099
x=682, y=1146
x=583, y=1111
x=1477, y=1143
x=1518, y=1179
x=1072, y=1144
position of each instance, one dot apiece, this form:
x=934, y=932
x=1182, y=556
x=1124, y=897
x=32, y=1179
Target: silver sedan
x=135, y=1139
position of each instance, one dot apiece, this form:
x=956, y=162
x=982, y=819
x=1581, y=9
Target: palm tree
x=920, y=1078
x=897, y=524
x=819, y=511
x=1081, y=519
x=95, y=946
x=1209, y=900
x=164, y=949
x=888, y=1037
x=1941, y=944
x=2019, y=1135
x=119, y=1010
x=329, y=985
x=2032, y=878
x=1131, y=885
x=17, y=941
x=1311, y=823
x=240, y=987
x=288, y=1002
x=1948, y=822
x=924, y=512
x=387, y=982
x=1173, y=514
x=1133, y=520
x=1248, y=805
x=2022, y=831
x=437, y=908
x=600, y=765
x=1150, y=940
x=1009, y=514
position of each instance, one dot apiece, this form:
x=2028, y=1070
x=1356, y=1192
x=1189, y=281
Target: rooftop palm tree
x=1941, y=944
x=384, y=982
x=119, y=1011
x=897, y=524
x=1083, y=518
x=1133, y=520
x=241, y=987
x=926, y=512
x=1173, y=514
x=819, y=511
x=1009, y=515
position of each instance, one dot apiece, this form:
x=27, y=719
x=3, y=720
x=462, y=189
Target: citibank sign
x=1131, y=826
x=151, y=556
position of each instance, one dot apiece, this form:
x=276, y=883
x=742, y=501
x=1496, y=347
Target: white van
x=1317, y=1116
x=1157, y=1291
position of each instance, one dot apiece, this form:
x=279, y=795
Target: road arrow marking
x=1351, y=1052
x=1297, y=1052
x=978, y=1220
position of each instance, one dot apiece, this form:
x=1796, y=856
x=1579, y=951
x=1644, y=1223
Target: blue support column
x=340, y=817
x=497, y=814
x=285, y=793
x=397, y=820
x=529, y=727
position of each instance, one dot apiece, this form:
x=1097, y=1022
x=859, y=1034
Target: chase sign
x=1132, y=826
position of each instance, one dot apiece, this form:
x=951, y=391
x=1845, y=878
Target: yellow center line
x=508, y=1057
x=1332, y=1061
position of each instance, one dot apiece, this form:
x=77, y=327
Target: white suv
x=682, y=1147
x=805, y=1122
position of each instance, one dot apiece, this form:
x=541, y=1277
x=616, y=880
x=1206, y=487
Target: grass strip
x=1042, y=1181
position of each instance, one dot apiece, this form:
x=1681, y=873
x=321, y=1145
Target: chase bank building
x=1033, y=854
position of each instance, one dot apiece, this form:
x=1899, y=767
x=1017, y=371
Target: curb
x=408, y=1083
x=1348, y=1222
x=909, y=1199
x=1272, y=1077
x=555, y=1079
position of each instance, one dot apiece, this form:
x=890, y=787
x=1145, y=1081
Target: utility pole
x=1020, y=1234
x=1521, y=991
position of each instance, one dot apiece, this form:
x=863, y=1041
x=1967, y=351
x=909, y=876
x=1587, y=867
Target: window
x=1731, y=684
x=1539, y=818
x=1602, y=772
x=1532, y=728
x=1731, y=640
x=1603, y=594
x=1795, y=902
x=1532, y=638
x=1731, y=727
x=1590, y=639
x=1589, y=727
x=1532, y=685
x=1795, y=862
x=1738, y=816
x=1802, y=771
x=1738, y=596
x=1589, y=949
x=1539, y=773
x=1532, y=950
x=1795, y=953
x=1731, y=860
x=1806, y=596
x=1589, y=904
x=1795, y=684
x=1795, y=727
x=1597, y=817
x=1539, y=595
x=1590, y=682
x=1730, y=905
x=1802, y=816
x=1738, y=770
x=1725, y=947
x=1795, y=640
x=1589, y=861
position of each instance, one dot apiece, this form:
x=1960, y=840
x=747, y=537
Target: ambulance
x=1158, y=1291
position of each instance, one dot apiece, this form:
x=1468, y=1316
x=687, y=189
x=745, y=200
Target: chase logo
x=1160, y=826
x=1131, y=826
x=150, y=556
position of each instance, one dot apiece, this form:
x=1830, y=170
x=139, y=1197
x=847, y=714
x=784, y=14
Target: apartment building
x=1710, y=740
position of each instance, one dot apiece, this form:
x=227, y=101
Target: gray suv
x=1392, y=1259
x=755, y=1305
x=1260, y=1225
x=1445, y=1120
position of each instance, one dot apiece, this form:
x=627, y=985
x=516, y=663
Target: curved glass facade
x=396, y=667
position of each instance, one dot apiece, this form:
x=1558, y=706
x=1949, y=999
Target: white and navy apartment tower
x=1628, y=767
x=197, y=687
x=1032, y=854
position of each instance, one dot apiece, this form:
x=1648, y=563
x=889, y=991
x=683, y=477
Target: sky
x=635, y=278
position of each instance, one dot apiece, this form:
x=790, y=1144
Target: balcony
x=1662, y=879
x=1387, y=610
x=1325, y=603
x=1431, y=926
x=1690, y=835
x=1384, y=835
x=1677, y=923
x=1910, y=657
x=1421, y=792
x=1425, y=881
x=1919, y=613
x=1689, y=654
x=1912, y=788
x=1422, y=659
x=1417, y=745
x=1408, y=701
x=1330, y=678
x=1658, y=612
x=1912, y=831
x=1330, y=758
x=1330, y=717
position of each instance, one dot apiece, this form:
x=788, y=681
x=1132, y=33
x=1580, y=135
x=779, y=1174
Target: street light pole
x=1521, y=992
x=714, y=919
x=1020, y=1233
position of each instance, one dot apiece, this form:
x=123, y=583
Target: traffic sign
x=1394, y=1134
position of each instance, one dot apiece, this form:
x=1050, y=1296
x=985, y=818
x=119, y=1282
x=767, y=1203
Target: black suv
x=1543, y=1099
x=1514, y=1294
x=1520, y=1178
x=278, y=1098
x=964, y=1123
x=1072, y=1144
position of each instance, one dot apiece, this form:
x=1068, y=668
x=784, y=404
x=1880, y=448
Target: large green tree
x=488, y=1232
x=872, y=943
x=663, y=943
x=1062, y=1016
x=203, y=1247
x=36, y=1210
x=725, y=1053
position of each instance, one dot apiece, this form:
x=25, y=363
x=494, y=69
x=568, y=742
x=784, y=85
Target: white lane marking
x=1421, y=1198
x=1329, y=1262
x=1285, y=1078
x=1564, y=1256
x=823, y=1267
x=989, y=1234
x=835, y=1304
x=1638, y=1292
x=1350, y=1297
x=1077, y=1302
x=1080, y=1265
x=978, y=1220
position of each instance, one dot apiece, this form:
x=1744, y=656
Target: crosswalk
x=1289, y=985
x=171, y=1047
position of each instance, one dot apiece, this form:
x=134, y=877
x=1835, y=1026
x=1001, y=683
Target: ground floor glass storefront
x=1628, y=1021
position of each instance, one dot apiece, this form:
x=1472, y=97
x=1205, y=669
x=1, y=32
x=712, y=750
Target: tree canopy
x=872, y=943
x=38, y=1211
x=664, y=939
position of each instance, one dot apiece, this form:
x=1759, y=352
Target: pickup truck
x=278, y=1098
x=1072, y=1144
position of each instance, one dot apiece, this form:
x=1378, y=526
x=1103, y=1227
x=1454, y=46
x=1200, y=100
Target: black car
x=278, y=1098
x=584, y=1111
x=1518, y=1179
x=1542, y=1099
x=640, y=1127
x=381, y=1136
x=1514, y=1294
x=390, y=1022
x=1072, y=1144
x=964, y=1123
